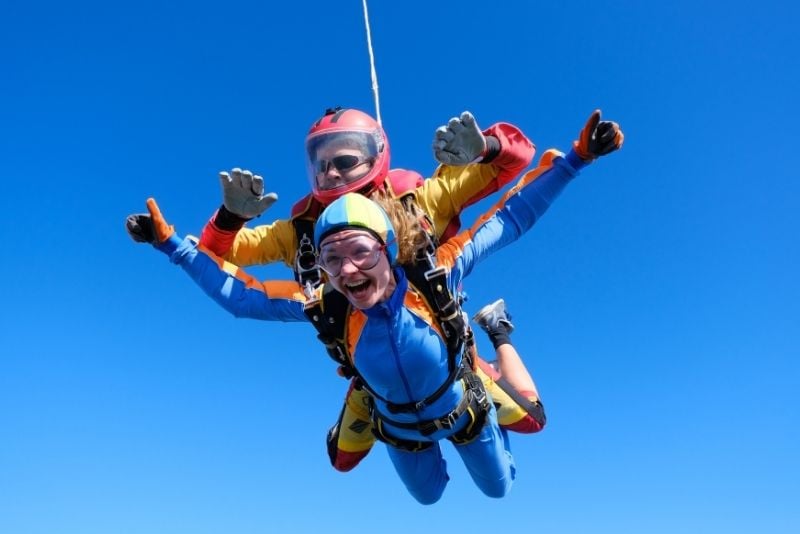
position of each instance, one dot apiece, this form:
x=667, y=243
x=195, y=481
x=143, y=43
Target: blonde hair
x=410, y=237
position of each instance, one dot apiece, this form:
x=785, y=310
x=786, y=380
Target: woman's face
x=357, y=267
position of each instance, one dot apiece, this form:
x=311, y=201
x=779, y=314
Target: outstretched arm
x=475, y=164
x=225, y=235
x=228, y=285
x=461, y=142
x=528, y=200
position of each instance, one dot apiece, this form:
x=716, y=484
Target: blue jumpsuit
x=396, y=345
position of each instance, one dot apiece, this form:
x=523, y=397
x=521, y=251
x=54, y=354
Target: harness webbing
x=330, y=312
x=306, y=271
x=475, y=403
x=329, y=316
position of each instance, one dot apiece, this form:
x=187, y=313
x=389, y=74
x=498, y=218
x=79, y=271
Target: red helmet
x=402, y=182
x=346, y=151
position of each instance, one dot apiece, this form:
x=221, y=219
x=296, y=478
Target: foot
x=492, y=315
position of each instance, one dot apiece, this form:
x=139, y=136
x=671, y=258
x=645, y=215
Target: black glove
x=149, y=228
x=607, y=138
x=598, y=138
x=140, y=228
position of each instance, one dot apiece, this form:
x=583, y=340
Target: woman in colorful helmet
x=394, y=342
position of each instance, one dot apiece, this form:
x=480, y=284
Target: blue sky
x=656, y=303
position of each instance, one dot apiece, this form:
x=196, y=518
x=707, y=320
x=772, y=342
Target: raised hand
x=149, y=227
x=459, y=142
x=598, y=138
x=243, y=193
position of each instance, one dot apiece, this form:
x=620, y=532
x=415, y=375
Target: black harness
x=329, y=314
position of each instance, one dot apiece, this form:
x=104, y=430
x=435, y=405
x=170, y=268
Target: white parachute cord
x=372, y=65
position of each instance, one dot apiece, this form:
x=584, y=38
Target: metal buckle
x=339, y=351
x=309, y=277
x=448, y=421
x=433, y=273
x=475, y=388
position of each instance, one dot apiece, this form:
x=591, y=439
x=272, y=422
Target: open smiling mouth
x=358, y=289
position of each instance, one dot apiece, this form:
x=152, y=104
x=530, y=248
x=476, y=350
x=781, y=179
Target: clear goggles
x=362, y=251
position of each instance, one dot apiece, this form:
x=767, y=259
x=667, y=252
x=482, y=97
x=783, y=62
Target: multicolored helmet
x=354, y=211
x=355, y=145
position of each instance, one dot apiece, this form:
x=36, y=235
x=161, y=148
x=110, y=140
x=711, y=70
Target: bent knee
x=345, y=461
x=497, y=490
x=526, y=425
x=533, y=421
x=426, y=497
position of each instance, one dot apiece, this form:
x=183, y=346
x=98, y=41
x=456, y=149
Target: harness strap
x=306, y=271
x=479, y=410
x=409, y=445
x=431, y=282
x=474, y=402
x=329, y=314
x=413, y=407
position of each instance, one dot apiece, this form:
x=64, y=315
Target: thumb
x=581, y=146
x=591, y=124
x=162, y=229
x=266, y=201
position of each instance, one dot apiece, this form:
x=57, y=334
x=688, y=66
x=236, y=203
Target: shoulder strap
x=329, y=315
x=304, y=215
x=306, y=271
x=431, y=282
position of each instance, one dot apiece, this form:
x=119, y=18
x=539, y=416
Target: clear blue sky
x=656, y=303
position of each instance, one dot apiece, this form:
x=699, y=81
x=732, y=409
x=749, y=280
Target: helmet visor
x=339, y=160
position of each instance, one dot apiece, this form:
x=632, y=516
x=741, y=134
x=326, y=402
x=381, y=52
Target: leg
x=424, y=473
x=488, y=459
x=510, y=385
x=351, y=438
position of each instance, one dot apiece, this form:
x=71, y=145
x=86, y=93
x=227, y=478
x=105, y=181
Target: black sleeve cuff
x=492, y=149
x=227, y=220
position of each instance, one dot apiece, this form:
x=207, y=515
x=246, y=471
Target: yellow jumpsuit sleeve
x=450, y=189
x=264, y=244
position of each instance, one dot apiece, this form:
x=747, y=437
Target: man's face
x=340, y=166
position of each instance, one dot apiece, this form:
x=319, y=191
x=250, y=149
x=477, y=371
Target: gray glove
x=460, y=142
x=243, y=193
